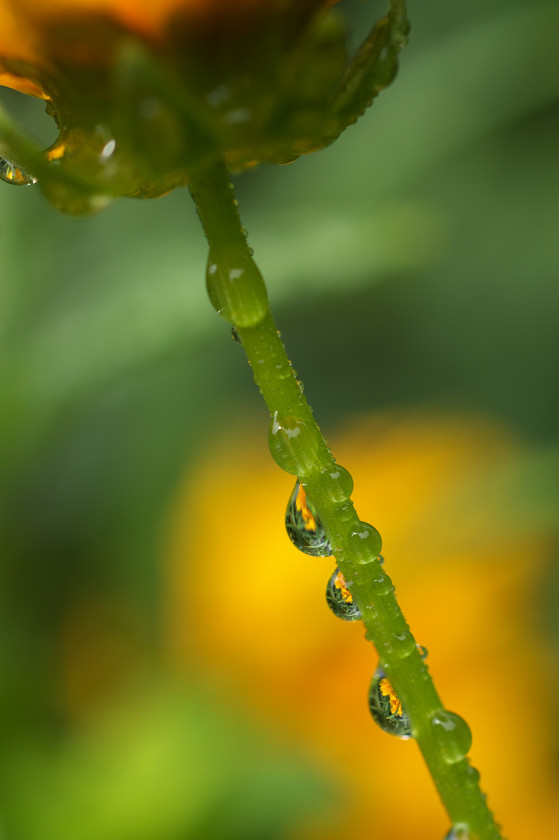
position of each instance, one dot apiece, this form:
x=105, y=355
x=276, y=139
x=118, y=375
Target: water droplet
x=383, y=585
x=410, y=646
x=304, y=528
x=386, y=709
x=237, y=291
x=459, y=831
x=473, y=774
x=293, y=444
x=346, y=511
x=407, y=644
x=452, y=734
x=337, y=482
x=339, y=598
x=366, y=542
x=13, y=174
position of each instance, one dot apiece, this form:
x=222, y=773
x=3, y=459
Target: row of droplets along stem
x=299, y=448
x=307, y=533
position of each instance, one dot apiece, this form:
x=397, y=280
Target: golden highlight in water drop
x=339, y=598
x=13, y=174
x=303, y=526
x=386, y=708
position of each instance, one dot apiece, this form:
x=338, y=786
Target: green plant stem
x=237, y=291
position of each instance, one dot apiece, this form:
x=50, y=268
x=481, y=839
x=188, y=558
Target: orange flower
x=145, y=92
x=25, y=23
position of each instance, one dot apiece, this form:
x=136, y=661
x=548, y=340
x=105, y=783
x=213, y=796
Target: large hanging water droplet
x=304, y=528
x=13, y=174
x=459, y=831
x=237, y=291
x=339, y=598
x=452, y=734
x=386, y=708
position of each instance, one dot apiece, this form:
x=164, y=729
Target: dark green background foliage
x=412, y=264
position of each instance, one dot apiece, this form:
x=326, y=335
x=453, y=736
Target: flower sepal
x=139, y=116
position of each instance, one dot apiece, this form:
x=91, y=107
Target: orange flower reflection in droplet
x=250, y=608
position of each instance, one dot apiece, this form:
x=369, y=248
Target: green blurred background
x=411, y=265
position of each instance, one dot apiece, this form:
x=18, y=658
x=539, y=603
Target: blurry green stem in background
x=237, y=291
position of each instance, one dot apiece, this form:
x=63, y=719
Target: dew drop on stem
x=473, y=774
x=386, y=708
x=452, y=734
x=337, y=482
x=11, y=173
x=408, y=645
x=383, y=585
x=339, y=598
x=293, y=445
x=366, y=542
x=459, y=831
x=304, y=528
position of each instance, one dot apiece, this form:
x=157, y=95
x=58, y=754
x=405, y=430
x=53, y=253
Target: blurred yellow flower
x=249, y=608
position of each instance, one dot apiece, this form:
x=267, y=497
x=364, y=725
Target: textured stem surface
x=237, y=291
